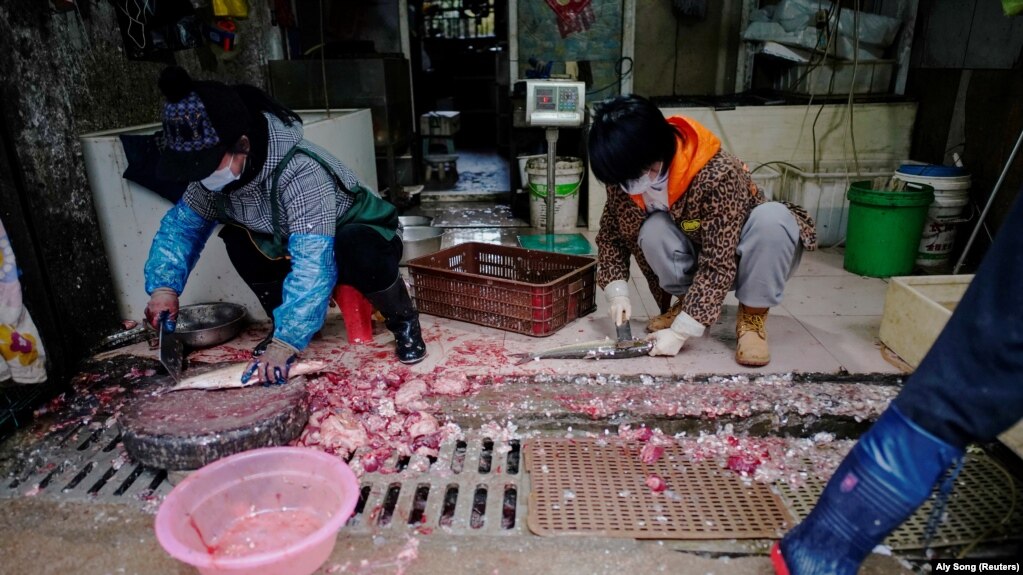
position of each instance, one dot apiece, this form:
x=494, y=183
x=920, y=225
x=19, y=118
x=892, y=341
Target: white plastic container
x=951, y=196
x=568, y=173
x=916, y=309
x=823, y=192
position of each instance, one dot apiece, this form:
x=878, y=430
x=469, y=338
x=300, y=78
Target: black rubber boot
x=885, y=477
x=402, y=319
x=270, y=296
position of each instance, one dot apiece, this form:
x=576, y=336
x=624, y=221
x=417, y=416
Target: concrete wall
x=600, y=45
x=965, y=73
x=65, y=74
x=763, y=134
x=684, y=55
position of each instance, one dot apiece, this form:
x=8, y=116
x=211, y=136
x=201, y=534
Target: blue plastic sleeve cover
x=176, y=247
x=306, y=289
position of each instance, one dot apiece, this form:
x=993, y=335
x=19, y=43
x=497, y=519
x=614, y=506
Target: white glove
x=670, y=341
x=617, y=293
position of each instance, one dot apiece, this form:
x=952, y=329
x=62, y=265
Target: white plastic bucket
x=951, y=196
x=523, y=176
x=568, y=173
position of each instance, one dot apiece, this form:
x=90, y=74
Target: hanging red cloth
x=573, y=15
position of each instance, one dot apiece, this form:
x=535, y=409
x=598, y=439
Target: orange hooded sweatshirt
x=694, y=147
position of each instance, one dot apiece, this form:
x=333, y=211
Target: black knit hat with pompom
x=202, y=120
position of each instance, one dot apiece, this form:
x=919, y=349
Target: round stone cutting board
x=187, y=429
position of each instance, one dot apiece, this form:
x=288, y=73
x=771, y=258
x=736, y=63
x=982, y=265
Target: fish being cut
x=230, y=377
x=600, y=349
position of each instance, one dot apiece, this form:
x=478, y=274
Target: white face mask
x=646, y=183
x=220, y=178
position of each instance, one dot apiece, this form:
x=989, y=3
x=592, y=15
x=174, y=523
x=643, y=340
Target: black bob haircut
x=627, y=136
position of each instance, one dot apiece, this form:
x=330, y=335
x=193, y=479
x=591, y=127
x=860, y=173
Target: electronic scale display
x=555, y=102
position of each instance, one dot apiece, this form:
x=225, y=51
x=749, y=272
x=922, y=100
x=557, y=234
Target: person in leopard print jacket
x=690, y=214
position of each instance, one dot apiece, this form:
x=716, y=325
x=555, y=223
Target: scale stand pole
x=987, y=207
x=552, y=151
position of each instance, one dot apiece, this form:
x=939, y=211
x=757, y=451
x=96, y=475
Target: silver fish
x=600, y=349
x=230, y=377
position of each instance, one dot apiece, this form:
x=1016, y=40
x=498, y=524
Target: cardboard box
x=916, y=309
x=440, y=123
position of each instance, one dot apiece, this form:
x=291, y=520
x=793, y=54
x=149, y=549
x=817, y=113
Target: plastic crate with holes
x=823, y=192
x=530, y=292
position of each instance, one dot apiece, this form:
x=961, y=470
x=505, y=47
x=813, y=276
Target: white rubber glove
x=670, y=341
x=617, y=293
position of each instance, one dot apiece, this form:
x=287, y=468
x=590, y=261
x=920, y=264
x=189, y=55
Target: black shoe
x=402, y=319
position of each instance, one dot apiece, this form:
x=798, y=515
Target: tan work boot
x=664, y=320
x=751, y=335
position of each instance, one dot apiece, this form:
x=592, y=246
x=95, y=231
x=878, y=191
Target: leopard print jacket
x=720, y=198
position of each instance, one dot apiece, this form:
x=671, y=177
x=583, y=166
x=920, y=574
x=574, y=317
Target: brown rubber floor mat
x=596, y=487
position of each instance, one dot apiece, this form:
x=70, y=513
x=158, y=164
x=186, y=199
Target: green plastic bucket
x=884, y=228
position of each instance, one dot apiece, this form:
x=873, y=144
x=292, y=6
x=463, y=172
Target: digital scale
x=552, y=104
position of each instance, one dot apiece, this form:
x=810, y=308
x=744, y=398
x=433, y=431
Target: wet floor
x=828, y=379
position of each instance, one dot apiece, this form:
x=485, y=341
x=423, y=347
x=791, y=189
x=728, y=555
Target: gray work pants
x=768, y=254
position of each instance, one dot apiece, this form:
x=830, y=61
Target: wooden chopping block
x=187, y=429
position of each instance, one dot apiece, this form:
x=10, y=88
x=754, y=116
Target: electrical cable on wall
x=132, y=20
x=852, y=83
x=85, y=32
x=618, y=71
x=813, y=65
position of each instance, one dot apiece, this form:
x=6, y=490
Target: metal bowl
x=413, y=221
x=420, y=241
x=208, y=324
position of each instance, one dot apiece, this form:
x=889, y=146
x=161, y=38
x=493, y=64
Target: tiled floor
x=828, y=323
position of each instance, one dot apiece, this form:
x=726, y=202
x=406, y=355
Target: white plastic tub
x=916, y=309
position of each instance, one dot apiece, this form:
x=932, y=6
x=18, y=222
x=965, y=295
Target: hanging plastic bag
x=573, y=15
x=231, y=8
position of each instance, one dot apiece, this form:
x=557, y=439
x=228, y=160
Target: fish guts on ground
x=380, y=415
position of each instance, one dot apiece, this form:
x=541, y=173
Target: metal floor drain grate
x=475, y=486
x=479, y=486
x=982, y=498
x=586, y=487
x=83, y=464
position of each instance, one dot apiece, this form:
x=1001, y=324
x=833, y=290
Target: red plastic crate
x=525, y=291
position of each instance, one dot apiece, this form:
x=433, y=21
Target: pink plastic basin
x=267, y=511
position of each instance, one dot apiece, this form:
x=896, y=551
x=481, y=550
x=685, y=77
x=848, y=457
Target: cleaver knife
x=624, y=332
x=171, y=351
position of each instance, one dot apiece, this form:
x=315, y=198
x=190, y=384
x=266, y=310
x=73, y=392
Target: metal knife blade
x=171, y=352
x=624, y=331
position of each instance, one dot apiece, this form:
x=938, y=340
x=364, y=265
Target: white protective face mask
x=646, y=183
x=220, y=178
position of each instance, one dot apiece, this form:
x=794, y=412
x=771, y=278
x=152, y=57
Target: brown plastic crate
x=525, y=291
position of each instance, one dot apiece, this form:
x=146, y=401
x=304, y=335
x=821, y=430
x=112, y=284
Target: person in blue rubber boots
x=297, y=219
x=968, y=388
